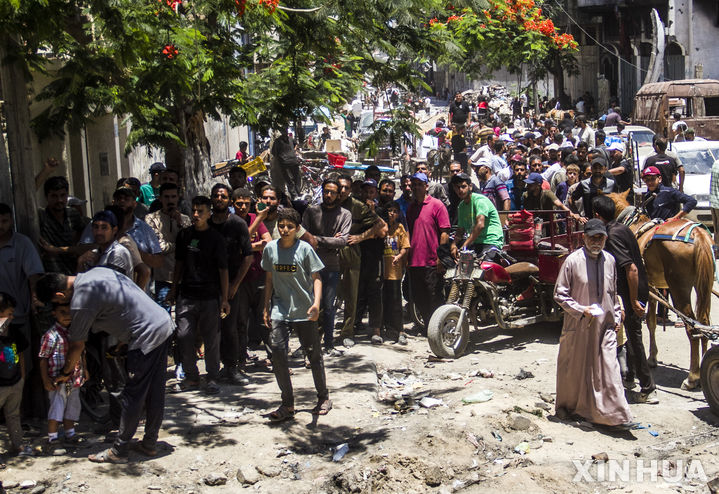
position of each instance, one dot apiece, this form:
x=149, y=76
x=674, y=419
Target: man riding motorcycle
x=477, y=218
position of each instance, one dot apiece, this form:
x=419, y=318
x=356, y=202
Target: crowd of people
x=247, y=264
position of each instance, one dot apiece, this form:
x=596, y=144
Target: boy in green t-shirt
x=293, y=289
x=477, y=218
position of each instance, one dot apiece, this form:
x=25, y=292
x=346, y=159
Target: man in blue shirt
x=664, y=202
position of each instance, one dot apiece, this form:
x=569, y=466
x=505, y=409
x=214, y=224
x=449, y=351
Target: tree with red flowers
x=168, y=65
x=506, y=34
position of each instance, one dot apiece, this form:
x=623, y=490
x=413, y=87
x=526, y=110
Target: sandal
x=281, y=414
x=107, y=456
x=142, y=449
x=323, y=407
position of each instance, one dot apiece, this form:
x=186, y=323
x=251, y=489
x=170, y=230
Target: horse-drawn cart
x=709, y=370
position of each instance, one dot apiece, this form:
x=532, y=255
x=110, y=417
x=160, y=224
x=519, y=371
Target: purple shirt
x=425, y=222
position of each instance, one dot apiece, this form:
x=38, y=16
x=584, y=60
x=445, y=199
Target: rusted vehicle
x=696, y=100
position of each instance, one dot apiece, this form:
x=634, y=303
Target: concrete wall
x=705, y=49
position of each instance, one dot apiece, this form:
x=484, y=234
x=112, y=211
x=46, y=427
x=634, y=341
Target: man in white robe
x=589, y=381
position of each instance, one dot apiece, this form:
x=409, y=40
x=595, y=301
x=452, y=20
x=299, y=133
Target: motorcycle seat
x=521, y=270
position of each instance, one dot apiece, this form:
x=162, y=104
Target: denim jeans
x=162, y=288
x=310, y=341
x=330, y=280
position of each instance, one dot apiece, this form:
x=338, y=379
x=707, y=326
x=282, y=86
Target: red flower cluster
x=241, y=7
x=453, y=18
x=563, y=41
x=433, y=21
x=170, y=51
x=173, y=4
x=270, y=5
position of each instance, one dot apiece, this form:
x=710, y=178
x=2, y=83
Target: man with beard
x=589, y=381
x=405, y=199
x=516, y=185
x=593, y=186
x=171, y=176
x=60, y=229
x=267, y=210
x=329, y=227
x=167, y=223
x=365, y=225
x=633, y=288
x=234, y=336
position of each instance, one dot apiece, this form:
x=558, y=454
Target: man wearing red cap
x=664, y=202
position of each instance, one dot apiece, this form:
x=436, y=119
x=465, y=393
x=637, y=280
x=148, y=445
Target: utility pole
x=22, y=153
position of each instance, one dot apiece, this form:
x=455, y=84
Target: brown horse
x=678, y=266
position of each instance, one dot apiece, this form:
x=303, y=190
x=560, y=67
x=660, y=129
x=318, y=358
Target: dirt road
x=396, y=444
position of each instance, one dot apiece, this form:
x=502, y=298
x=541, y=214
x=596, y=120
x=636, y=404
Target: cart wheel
x=710, y=378
x=445, y=339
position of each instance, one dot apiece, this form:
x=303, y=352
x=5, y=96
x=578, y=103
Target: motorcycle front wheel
x=446, y=340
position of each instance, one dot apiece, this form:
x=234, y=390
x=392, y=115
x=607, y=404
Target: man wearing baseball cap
x=149, y=191
x=664, y=202
x=429, y=227
x=620, y=168
x=589, y=380
x=538, y=199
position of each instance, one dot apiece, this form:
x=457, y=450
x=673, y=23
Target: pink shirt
x=425, y=222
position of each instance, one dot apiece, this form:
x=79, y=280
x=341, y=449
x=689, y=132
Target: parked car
x=697, y=157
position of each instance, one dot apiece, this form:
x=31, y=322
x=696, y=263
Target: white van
x=697, y=157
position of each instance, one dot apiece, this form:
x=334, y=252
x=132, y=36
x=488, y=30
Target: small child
x=12, y=374
x=396, y=247
x=64, y=398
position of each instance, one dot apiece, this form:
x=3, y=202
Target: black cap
x=461, y=177
x=595, y=226
x=124, y=191
x=157, y=167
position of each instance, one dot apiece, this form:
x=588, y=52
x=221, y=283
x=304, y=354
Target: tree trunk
x=192, y=161
x=558, y=73
x=22, y=152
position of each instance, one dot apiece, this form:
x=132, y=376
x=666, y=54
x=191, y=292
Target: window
x=104, y=165
x=711, y=107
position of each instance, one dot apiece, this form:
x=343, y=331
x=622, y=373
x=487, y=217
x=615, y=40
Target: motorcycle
x=509, y=293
